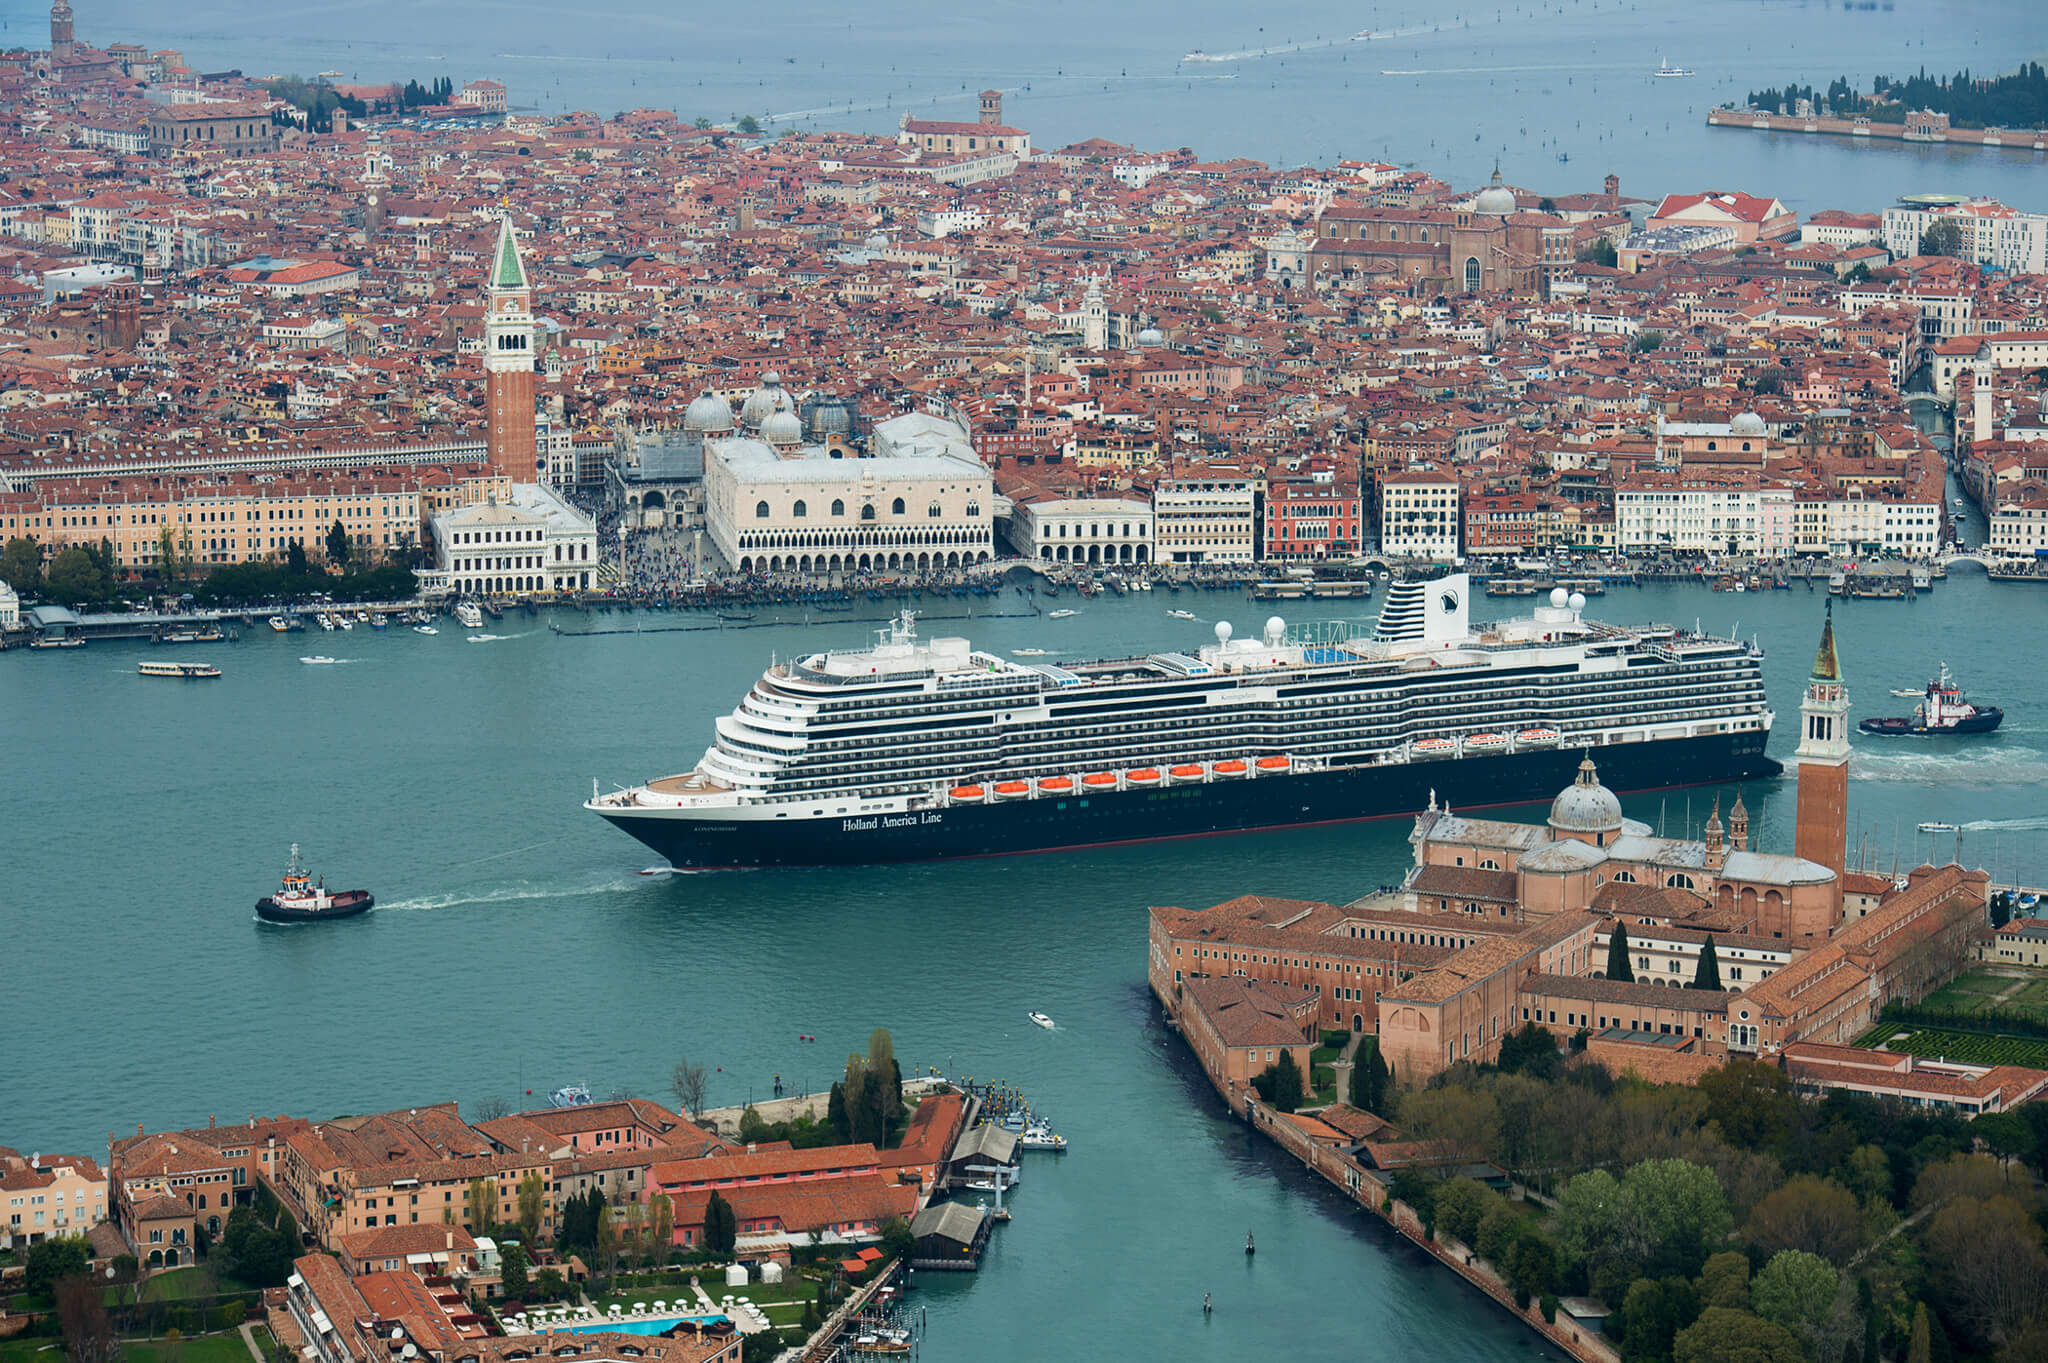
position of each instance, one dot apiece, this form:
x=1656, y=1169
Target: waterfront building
x=1420, y=515
x=987, y=134
x=219, y=128
x=485, y=96
x=163, y=1187
x=1238, y=1026
x=508, y=361
x=1317, y=514
x=1749, y=217
x=45, y=1196
x=437, y=1250
x=1704, y=511
x=918, y=501
x=1206, y=514
x=1082, y=529
x=523, y=541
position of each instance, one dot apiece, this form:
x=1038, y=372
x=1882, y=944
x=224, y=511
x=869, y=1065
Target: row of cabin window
x=867, y=512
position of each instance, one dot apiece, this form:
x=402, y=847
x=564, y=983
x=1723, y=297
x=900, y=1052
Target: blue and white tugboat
x=302, y=899
x=1941, y=711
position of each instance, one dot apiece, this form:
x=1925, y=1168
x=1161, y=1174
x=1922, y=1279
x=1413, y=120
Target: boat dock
x=1934, y=130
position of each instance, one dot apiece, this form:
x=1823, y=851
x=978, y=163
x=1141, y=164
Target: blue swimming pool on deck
x=637, y=1326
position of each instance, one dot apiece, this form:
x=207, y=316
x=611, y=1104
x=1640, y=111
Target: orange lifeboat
x=1531, y=737
x=1274, y=763
x=965, y=793
x=1143, y=776
x=1057, y=783
x=1486, y=743
x=1099, y=780
x=1233, y=767
x=1435, y=747
x=1190, y=771
x=1011, y=790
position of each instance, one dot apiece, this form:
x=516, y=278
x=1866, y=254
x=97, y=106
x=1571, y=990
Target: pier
x=1929, y=131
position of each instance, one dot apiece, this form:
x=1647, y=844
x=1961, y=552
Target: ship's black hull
x=270, y=911
x=1232, y=806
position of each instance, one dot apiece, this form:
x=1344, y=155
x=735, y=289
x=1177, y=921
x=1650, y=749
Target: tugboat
x=1941, y=711
x=301, y=899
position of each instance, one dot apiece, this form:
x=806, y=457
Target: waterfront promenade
x=1754, y=120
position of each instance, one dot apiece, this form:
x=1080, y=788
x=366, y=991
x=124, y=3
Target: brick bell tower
x=508, y=362
x=1823, y=757
x=62, y=43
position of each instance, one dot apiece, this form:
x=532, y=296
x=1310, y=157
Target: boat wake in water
x=511, y=894
x=1980, y=766
x=2039, y=825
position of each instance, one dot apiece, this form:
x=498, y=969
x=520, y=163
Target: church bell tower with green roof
x=508, y=362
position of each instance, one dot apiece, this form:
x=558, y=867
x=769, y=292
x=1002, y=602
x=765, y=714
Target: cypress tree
x=1617, y=955
x=1708, y=976
x=1287, y=1086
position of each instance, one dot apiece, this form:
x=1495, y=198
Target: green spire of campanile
x=509, y=272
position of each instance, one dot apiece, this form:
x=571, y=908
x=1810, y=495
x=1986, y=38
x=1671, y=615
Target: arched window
x=799, y=509
x=760, y=511
x=867, y=512
x=974, y=508
x=896, y=507
x=933, y=511
x=1676, y=881
x=1625, y=877
x=1471, y=274
x=838, y=507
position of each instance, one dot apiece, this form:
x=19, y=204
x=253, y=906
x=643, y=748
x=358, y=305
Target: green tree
x=1497, y=1227
x=835, y=1113
x=82, y=1319
x=1600, y=251
x=53, y=1260
x=1943, y=237
x=1618, y=967
x=482, y=1205
x=1459, y=1204
x=1724, y=1281
x=1676, y=1215
x=1708, y=976
x=1368, y=1077
x=1531, y=1263
x=1284, y=1090
x=1454, y=1124
x=512, y=1263
x=337, y=545
x=532, y=1199
x=1724, y=1336
x=664, y=1222
x=1531, y=1049
x=1646, y=341
x=897, y=1241
x=1985, y=1257
x=1752, y=1102
x=259, y=1255
x=1809, y=1215
x=21, y=564
x=607, y=1241
x=1591, y=1221
x=550, y=1285
x=1920, y=1345
x=748, y=124
x=75, y=578
x=1652, y=1314
x=721, y=1227
x=1797, y=1290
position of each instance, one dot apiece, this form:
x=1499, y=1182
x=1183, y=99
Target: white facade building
x=776, y=509
x=1668, y=514
x=1201, y=518
x=1419, y=515
x=1992, y=234
x=1083, y=530
x=2018, y=530
x=525, y=542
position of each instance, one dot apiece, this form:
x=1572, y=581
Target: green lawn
x=225, y=1348
x=30, y=1350
x=1978, y=991
x=182, y=1284
x=1972, y=1048
x=793, y=1289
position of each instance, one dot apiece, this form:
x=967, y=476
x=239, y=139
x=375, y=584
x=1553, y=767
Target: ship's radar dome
x=1747, y=423
x=1577, y=601
x=1276, y=629
x=1558, y=596
x=1222, y=631
x=1586, y=806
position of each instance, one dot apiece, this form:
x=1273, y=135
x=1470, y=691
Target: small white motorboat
x=1182, y=615
x=317, y=659
x=424, y=629
x=1029, y=652
x=1903, y=694
x=1937, y=828
x=1060, y=614
x=1041, y=1019
x=1039, y=1136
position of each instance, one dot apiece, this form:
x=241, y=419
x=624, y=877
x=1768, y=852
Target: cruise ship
x=922, y=748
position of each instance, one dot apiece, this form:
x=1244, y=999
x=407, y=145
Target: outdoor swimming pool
x=636, y=1325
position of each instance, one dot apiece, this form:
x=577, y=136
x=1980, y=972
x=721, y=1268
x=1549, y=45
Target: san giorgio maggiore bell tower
x=1821, y=834
x=508, y=362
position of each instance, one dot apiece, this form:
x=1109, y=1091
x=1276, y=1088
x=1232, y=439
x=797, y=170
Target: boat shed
x=983, y=1152
x=950, y=1237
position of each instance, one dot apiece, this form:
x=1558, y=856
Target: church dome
x=1495, y=200
x=769, y=398
x=1747, y=423
x=1586, y=806
x=825, y=415
x=708, y=412
x=782, y=428
x=1151, y=337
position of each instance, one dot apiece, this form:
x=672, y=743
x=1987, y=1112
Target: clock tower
x=374, y=185
x=1821, y=830
x=508, y=362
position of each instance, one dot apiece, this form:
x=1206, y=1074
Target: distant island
x=2019, y=100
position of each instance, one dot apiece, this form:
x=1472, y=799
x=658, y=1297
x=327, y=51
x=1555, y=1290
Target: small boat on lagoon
x=302, y=899
x=1040, y=1019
